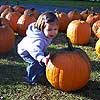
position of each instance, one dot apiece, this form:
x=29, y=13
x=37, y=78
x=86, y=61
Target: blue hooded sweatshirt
x=34, y=43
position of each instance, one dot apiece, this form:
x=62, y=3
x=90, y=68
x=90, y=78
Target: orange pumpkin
x=69, y=70
x=92, y=18
x=33, y=11
x=23, y=22
x=13, y=18
x=7, y=38
x=3, y=7
x=86, y=13
x=6, y=11
x=74, y=15
x=19, y=8
x=63, y=21
x=79, y=32
x=97, y=48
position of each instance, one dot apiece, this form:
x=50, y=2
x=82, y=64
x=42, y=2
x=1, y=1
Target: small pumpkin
x=7, y=38
x=97, y=48
x=69, y=69
x=79, y=32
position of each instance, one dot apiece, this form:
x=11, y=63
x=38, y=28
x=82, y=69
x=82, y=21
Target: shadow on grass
x=14, y=74
x=11, y=73
x=95, y=66
x=91, y=90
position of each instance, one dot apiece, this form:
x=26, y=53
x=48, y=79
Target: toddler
x=33, y=46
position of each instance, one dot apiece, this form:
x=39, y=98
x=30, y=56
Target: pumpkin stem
x=69, y=44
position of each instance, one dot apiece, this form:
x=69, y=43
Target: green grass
x=73, y=3
x=12, y=70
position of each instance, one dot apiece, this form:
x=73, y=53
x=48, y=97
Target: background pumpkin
x=23, y=22
x=32, y=11
x=3, y=7
x=79, y=32
x=92, y=18
x=63, y=21
x=7, y=38
x=19, y=8
x=86, y=13
x=69, y=70
x=6, y=11
x=74, y=15
x=13, y=18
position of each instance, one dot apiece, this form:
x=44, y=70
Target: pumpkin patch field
x=74, y=72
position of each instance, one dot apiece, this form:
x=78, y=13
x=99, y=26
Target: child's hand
x=46, y=59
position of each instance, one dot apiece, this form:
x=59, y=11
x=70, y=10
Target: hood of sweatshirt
x=37, y=41
x=33, y=32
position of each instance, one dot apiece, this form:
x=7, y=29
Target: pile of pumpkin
x=80, y=26
x=73, y=70
x=14, y=19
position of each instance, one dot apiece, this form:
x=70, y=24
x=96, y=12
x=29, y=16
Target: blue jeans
x=34, y=69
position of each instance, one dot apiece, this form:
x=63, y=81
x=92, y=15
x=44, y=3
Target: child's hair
x=46, y=17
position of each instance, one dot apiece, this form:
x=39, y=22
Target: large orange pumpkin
x=69, y=70
x=7, y=38
x=79, y=32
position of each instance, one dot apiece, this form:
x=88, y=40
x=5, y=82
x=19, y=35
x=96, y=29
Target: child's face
x=51, y=30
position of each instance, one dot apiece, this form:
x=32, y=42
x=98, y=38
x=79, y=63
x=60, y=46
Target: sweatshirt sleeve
x=36, y=50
